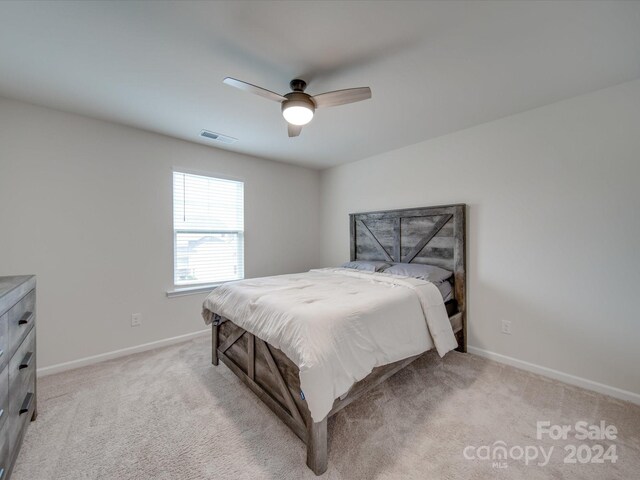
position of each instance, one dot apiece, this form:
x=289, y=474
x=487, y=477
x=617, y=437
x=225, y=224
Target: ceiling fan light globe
x=297, y=114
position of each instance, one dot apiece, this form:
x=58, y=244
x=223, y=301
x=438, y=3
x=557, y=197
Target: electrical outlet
x=506, y=327
x=136, y=319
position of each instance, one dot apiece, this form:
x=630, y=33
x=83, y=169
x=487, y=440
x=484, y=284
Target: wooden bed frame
x=428, y=235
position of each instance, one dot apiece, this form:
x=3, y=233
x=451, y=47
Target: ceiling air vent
x=218, y=137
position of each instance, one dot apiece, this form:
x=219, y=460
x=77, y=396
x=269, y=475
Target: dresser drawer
x=4, y=452
x=22, y=367
x=22, y=389
x=21, y=408
x=4, y=397
x=4, y=340
x=21, y=318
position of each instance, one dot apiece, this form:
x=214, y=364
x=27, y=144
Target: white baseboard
x=83, y=362
x=557, y=375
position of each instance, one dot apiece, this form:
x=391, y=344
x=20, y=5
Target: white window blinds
x=208, y=229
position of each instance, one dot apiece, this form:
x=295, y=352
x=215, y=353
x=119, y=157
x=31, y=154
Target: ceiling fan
x=298, y=107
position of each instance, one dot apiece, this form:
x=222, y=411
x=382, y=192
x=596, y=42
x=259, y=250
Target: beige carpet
x=169, y=414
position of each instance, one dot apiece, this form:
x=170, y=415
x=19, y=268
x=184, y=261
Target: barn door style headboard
x=427, y=235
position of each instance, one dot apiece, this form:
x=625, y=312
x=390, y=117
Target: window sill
x=194, y=290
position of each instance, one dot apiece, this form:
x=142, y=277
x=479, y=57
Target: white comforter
x=336, y=324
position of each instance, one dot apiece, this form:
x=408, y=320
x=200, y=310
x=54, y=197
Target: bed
x=267, y=360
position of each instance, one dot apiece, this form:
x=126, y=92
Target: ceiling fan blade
x=247, y=87
x=294, y=130
x=341, y=97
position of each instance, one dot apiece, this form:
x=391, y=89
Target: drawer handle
x=26, y=318
x=26, y=404
x=1, y=413
x=26, y=361
x=1, y=473
x=1, y=352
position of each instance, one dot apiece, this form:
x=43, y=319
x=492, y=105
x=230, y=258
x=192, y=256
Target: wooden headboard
x=427, y=235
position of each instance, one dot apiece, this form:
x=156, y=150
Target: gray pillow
x=424, y=272
x=366, y=266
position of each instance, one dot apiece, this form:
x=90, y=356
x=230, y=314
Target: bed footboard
x=274, y=378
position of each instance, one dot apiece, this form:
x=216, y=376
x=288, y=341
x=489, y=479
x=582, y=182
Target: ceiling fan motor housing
x=298, y=99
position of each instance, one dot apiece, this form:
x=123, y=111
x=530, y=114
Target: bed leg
x=214, y=343
x=461, y=337
x=317, y=447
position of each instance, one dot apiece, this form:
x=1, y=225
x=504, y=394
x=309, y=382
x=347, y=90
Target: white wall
x=87, y=206
x=554, y=227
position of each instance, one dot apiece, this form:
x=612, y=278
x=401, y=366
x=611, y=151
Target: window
x=208, y=229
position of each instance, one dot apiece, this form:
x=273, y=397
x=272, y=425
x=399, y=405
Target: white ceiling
x=433, y=67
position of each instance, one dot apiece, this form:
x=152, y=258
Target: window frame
x=202, y=287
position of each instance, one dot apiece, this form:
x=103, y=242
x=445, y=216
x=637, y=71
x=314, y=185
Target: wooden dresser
x=17, y=365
